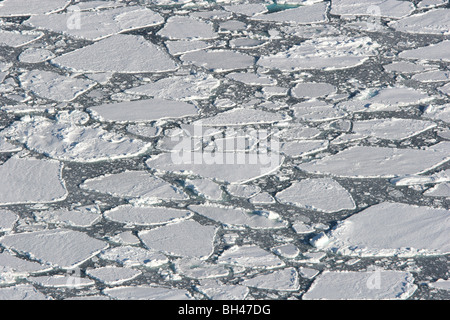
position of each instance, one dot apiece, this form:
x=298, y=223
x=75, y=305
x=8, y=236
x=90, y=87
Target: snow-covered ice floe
x=390, y=229
x=224, y=150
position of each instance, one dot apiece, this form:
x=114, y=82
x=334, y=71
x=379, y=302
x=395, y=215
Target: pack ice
x=390, y=229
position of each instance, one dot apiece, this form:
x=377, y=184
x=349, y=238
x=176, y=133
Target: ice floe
x=60, y=247
x=315, y=13
x=182, y=27
x=328, y=53
x=232, y=172
x=113, y=275
x=319, y=194
x=68, y=141
x=250, y=256
x=281, y=280
x=134, y=184
x=186, y=239
x=17, y=39
x=239, y=217
x=29, y=180
x=130, y=256
x=35, y=55
x=219, y=60
x=389, y=229
x=11, y=8
x=53, y=86
x=145, y=216
x=430, y=22
x=377, y=8
x=199, y=269
x=7, y=220
x=191, y=87
x=118, y=53
x=378, y=162
x=143, y=110
x=147, y=293
x=21, y=292
x=392, y=129
x=62, y=281
x=375, y=285
x=432, y=52
x=96, y=25
x=80, y=217
x=312, y=90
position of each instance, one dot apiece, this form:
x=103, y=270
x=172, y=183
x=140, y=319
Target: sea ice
x=21, y=292
x=60, y=247
x=11, y=8
x=239, y=217
x=233, y=172
x=430, y=22
x=319, y=194
x=145, y=216
x=187, y=28
x=440, y=190
x=71, y=142
x=80, y=217
x=178, y=47
x=25, y=180
x=118, y=53
x=377, y=8
x=375, y=285
x=17, y=39
x=112, y=276
x=243, y=116
x=62, y=281
x=206, y=188
x=216, y=290
x=390, y=229
x=186, y=239
x=280, y=280
x=251, y=79
x=12, y=266
x=35, y=55
x=377, y=162
x=315, y=13
x=130, y=256
x=134, y=184
x=441, y=284
x=303, y=147
x=96, y=25
x=143, y=110
x=199, y=269
x=433, y=52
x=250, y=256
x=190, y=87
x=317, y=111
x=219, y=60
x=392, y=128
x=312, y=89
x=147, y=293
x=53, y=86
x=7, y=220
x=328, y=53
